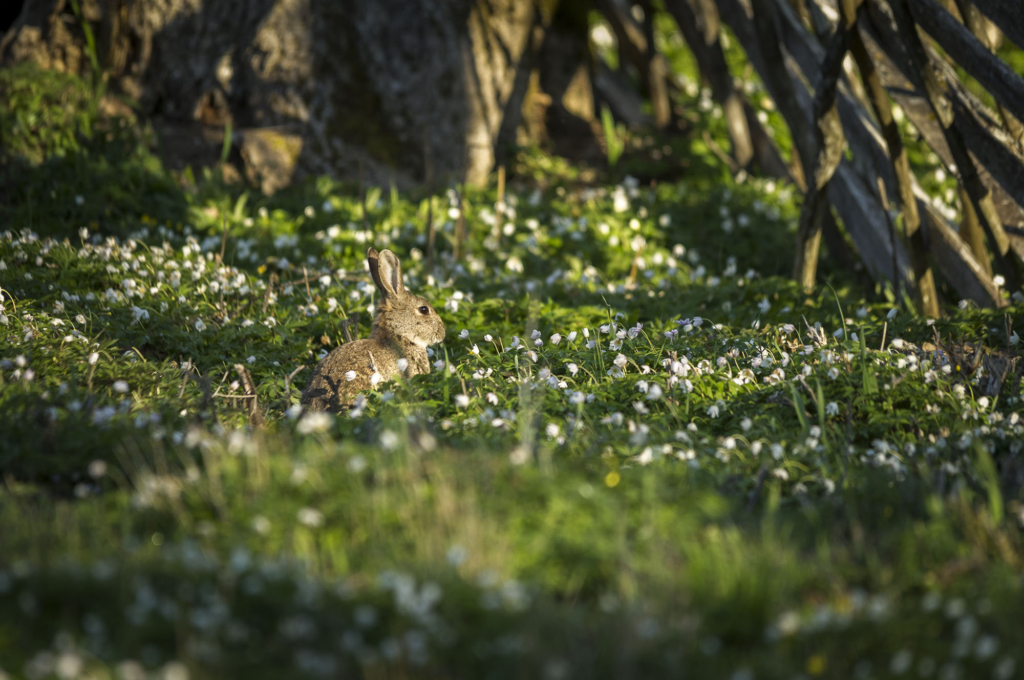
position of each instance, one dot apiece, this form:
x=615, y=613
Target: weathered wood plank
x=855, y=201
x=999, y=165
x=829, y=143
x=779, y=80
x=926, y=78
x=955, y=260
x=979, y=26
x=707, y=50
x=1008, y=15
x=850, y=193
x=928, y=299
x=994, y=74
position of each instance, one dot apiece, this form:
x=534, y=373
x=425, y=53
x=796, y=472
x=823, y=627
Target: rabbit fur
x=403, y=327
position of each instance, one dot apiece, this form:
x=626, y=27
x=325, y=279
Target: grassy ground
x=642, y=452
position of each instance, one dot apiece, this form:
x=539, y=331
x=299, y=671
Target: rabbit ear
x=390, y=275
x=373, y=259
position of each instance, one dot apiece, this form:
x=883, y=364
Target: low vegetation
x=642, y=451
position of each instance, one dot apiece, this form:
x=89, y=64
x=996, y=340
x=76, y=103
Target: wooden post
x=830, y=143
x=927, y=297
x=929, y=82
x=701, y=33
x=970, y=229
x=975, y=21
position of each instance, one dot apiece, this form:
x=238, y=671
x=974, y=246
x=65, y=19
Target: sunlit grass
x=642, y=450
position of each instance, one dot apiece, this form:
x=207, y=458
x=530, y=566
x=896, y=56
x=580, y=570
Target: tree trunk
x=381, y=84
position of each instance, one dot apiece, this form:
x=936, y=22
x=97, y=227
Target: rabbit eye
x=424, y=310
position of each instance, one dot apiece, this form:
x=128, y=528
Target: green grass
x=690, y=479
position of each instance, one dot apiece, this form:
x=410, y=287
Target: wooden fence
x=833, y=69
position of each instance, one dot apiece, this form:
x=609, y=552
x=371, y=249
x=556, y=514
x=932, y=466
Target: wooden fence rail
x=830, y=107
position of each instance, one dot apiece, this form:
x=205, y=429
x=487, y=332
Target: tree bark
x=378, y=83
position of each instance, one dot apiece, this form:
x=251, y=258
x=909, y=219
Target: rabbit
x=403, y=327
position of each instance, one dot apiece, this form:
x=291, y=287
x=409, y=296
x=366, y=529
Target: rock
x=271, y=157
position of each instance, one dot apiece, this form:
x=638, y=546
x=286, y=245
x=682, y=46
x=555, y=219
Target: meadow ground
x=642, y=451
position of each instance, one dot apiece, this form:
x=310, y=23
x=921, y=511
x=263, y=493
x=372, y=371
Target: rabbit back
x=330, y=387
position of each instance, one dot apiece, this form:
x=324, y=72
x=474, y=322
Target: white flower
x=317, y=421
x=464, y=334
x=519, y=455
x=121, y=387
x=93, y=358
x=311, y=517
x=461, y=400
x=831, y=408
x=388, y=440
x=492, y=398
x=200, y=326
x=892, y=313
x=573, y=368
x=488, y=338
x=402, y=364
x=251, y=359
x=713, y=411
x=655, y=393
x=620, y=361
x=475, y=350
x=552, y=430
x=374, y=379
x=746, y=424
x=261, y=525
x=350, y=375
x=456, y=555
x=556, y=338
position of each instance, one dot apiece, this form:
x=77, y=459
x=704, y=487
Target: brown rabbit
x=403, y=327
